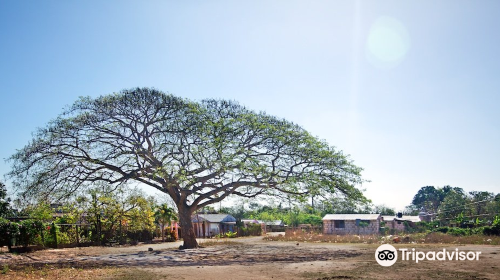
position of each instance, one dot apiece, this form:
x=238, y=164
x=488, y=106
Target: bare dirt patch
x=223, y=254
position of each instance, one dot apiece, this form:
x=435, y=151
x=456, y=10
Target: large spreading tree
x=198, y=153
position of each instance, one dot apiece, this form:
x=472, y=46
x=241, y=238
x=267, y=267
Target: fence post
x=77, y=236
x=42, y=235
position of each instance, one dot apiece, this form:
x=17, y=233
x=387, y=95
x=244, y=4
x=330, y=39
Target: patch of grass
x=134, y=274
x=215, y=242
x=327, y=276
x=437, y=237
x=5, y=269
x=299, y=236
x=54, y=272
x=104, y=273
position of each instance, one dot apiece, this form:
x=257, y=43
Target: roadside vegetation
x=99, y=217
x=120, y=216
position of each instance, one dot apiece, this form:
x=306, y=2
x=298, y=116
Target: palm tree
x=164, y=215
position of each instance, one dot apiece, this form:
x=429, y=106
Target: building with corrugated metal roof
x=342, y=224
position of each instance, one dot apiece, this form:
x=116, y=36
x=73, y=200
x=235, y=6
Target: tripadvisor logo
x=387, y=255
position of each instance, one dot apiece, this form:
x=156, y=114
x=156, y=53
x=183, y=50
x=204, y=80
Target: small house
x=249, y=221
x=208, y=225
x=398, y=223
x=351, y=224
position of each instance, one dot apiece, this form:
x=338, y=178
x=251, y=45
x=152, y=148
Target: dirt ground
x=244, y=258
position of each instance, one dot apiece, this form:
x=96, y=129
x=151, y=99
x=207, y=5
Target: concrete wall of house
x=394, y=225
x=351, y=227
x=211, y=229
x=203, y=229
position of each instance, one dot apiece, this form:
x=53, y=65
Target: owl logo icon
x=386, y=255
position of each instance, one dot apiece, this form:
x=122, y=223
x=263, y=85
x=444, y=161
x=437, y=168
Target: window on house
x=339, y=223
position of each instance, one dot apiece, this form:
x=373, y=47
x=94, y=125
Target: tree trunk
x=187, y=228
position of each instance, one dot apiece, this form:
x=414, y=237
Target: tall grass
x=442, y=238
x=300, y=236
x=420, y=238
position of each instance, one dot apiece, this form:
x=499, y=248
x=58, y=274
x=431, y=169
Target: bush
x=442, y=229
x=28, y=232
x=143, y=235
x=493, y=230
x=496, y=222
x=63, y=238
x=426, y=226
x=54, y=237
x=454, y=231
x=459, y=231
x=51, y=235
x=8, y=231
x=250, y=230
x=171, y=236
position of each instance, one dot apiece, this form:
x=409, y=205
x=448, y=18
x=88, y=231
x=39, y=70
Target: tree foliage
x=114, y=214
x=164, y=216
x=197, y=152
x=5, y=209
x=453, y=205
x=384, y=210
x=429, y=198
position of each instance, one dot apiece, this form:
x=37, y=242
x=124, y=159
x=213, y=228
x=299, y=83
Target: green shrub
x=231, y=234
x=63, y=238
x=478, y=230
x=51, y=235
x=454, y=231
x=459, y=231
x=383, y=230
x=426, y=226
x=493, y=230
x=5, y=269
x=441, y=229
x=496, y=222
x=251, y=230
x=28, y=232
x=4, y=228
x=9, y=232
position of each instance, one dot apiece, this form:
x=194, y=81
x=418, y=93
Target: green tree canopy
x=429, y=198
x=197, y=152
x=384, y=210
x=5, y=209
x=164, y=215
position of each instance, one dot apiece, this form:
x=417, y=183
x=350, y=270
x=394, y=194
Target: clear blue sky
x=410, y=89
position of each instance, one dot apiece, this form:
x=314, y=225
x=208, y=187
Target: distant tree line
x=453, y=206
